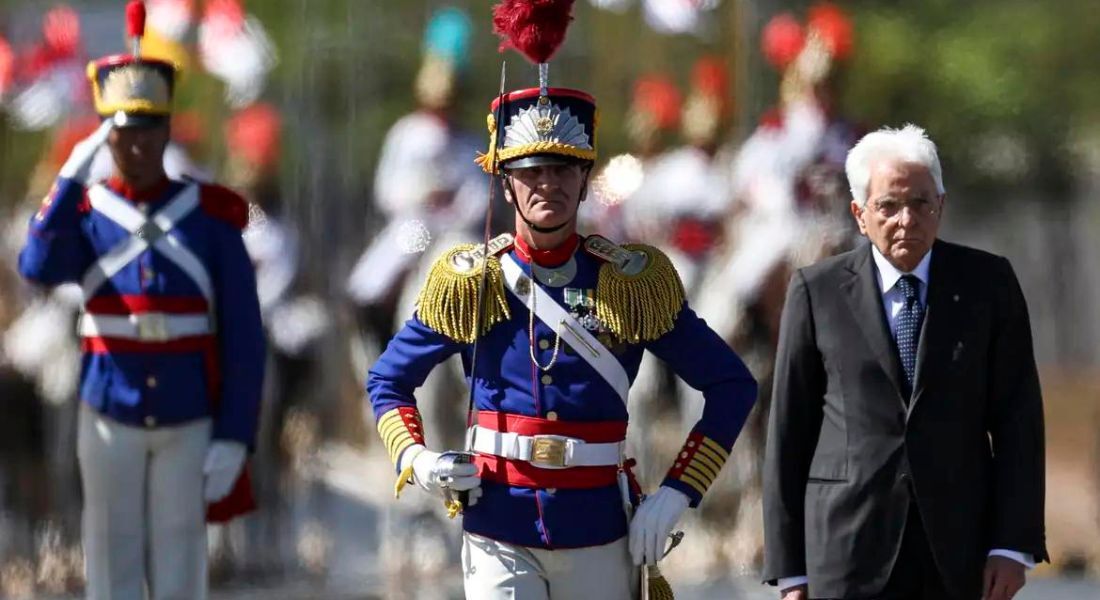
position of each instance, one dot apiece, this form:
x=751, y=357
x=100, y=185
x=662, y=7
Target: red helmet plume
x=536, y=28
x=834, y=27
x=135, y=19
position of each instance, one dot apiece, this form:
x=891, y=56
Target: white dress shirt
x=893, y=301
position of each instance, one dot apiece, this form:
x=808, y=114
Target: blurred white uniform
x=433, y=196
x=426, y=176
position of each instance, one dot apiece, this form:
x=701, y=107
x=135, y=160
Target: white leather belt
x=545, y=451
x=146, y=327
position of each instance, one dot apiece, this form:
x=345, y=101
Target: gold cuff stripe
x=395, y=433
x=713, y=445
x=387, y=428
x=699, y=487
x=392, y=416
x=395, y=438
x=699, y=475
x=712, y=461
x=395, y=452
x=704, y=468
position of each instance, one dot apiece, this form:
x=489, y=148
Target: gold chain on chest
x=531, y=335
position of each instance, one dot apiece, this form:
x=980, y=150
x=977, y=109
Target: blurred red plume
x=253, y=133
x=61, y=31
x=782, y=40
x=834, y=27
x=536, y=28
x=230, y=10
x=135, y=19
x=708, y=77
x=7, y=65
x=657, y=96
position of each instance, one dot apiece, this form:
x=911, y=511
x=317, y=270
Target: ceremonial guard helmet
x=134, y=90
x=543, y=125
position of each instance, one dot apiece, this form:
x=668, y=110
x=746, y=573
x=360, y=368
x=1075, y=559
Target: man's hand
x=433, y=474
x=1002, y=579
x=798, y=592
x=652, y=524
x=79, y=163
x=224, y=461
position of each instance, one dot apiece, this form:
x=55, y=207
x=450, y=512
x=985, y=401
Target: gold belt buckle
x=548, y=451
x=152, y=327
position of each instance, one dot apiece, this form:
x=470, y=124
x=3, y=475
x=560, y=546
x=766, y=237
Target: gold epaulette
x=639, y=294
x=448, y=303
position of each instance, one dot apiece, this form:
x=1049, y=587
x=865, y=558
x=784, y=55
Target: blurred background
x=351, y=127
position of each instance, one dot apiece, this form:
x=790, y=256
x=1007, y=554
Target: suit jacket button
x=903, y=478
x=547, y=380
x=150, y=421
x=552, y=416
x=544, y=344
x=151, y=382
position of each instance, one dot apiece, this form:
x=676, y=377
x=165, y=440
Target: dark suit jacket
x=846, y=454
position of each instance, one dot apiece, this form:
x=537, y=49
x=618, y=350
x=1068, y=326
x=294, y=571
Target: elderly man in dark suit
x=905, y=444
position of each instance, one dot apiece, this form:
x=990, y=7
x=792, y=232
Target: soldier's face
x=548, y=195
x=139, y=152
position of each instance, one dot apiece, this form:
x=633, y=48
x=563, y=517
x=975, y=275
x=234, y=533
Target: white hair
x=908, y=144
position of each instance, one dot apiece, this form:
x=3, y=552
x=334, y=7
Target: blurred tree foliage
x=1008, y=88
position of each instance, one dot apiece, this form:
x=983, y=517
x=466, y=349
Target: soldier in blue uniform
x=172, y=342
x=567, y=319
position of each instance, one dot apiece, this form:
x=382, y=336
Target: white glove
x=224, y=461
x=79, y=164
x=434, y=476
x=652, y=524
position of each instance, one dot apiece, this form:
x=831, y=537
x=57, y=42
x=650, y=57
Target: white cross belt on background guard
x=146, y=232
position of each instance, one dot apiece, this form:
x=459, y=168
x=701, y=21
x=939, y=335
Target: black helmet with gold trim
x=541, y=126
x=134, y=90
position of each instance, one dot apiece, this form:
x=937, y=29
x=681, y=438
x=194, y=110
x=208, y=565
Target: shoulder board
x=639, y=294
x=469, y=257
x=223, y=203
x=448, y=302
x=625, y=260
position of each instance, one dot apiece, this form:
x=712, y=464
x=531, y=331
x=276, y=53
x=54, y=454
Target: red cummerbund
x=524, y=474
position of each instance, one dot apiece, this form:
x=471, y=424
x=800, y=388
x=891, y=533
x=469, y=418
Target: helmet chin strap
x=539, y=228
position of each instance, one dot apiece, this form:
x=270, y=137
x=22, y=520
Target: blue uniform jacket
x=161, y=383
x=506, y=381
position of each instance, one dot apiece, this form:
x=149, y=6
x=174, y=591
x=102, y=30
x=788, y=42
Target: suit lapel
x=940, y=316
x=865, y=302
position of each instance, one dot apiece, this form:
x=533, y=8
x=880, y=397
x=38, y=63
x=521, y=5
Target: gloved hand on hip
x=224, y=461
x=653, y=522
x=79, y=164
x=434, y=471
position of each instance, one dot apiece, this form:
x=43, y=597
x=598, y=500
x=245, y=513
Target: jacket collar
x=117, y=185
x=553, y=257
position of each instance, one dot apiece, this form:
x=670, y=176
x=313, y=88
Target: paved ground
x=356, y=525
x=1041, y=589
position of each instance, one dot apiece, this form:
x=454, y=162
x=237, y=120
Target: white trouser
x=495, y=570
x=144, y=513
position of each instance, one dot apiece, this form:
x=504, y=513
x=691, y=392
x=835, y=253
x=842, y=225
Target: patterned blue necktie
x=909, y=323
